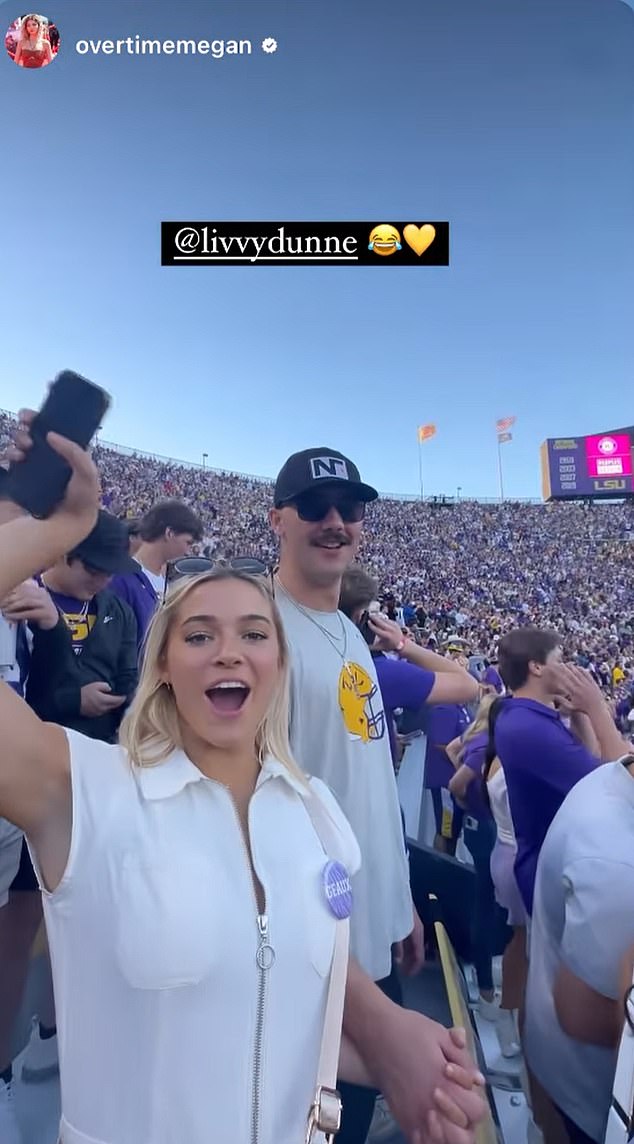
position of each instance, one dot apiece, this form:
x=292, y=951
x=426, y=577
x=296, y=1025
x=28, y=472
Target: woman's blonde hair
x=151, y=729
x=41, y=27
x=480, y=723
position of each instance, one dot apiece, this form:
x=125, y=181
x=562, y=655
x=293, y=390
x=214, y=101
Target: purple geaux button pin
x=337, y=889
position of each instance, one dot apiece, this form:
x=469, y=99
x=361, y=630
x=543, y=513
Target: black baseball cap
x=107, y=547
x=317, y=469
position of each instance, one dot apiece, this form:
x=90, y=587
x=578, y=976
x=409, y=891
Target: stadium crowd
x=468, y=568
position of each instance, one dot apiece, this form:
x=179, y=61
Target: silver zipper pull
x=266, y=954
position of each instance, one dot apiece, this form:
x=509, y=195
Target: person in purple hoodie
x=167, y=532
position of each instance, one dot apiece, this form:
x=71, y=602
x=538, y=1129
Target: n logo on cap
x=329, y=467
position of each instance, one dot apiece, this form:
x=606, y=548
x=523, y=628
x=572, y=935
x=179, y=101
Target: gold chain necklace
x=81, y=615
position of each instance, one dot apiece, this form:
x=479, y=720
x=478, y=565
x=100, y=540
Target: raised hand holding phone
x=29, y=544
x=82, y=493
x=73, y=409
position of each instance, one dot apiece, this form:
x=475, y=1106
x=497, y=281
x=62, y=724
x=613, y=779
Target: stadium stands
x=477, y=568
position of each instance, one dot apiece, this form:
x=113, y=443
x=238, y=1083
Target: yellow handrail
x=486, y=1132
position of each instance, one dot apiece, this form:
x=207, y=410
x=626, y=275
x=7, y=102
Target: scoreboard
x=599, y=466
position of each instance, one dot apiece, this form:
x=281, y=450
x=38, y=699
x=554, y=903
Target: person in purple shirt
x=492, y=678
x=541, y=756
x=445, y=723
x=623, y=707
x=166, y=532
x=467, y=755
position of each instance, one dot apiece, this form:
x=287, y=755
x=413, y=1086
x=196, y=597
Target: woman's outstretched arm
x=34, y=759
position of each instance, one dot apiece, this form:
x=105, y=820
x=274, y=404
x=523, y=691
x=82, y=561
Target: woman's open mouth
x=228, y=697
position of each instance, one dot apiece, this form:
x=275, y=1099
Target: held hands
x=429, y=1080
x=32, y=603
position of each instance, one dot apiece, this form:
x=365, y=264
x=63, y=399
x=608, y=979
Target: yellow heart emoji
x=419, y=237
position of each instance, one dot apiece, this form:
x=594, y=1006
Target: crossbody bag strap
x=325, y=1112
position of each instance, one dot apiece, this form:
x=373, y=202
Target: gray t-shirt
x=583, y=919
x=339, y=734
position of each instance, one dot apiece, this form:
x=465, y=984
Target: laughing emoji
x=385, y=239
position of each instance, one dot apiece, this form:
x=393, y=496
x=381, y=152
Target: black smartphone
x=365, y=629
x=75, y=408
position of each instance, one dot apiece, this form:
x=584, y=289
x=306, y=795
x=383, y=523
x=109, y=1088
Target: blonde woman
x=191, y=901
x=34, y=49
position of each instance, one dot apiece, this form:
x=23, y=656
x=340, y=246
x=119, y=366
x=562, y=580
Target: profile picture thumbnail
x=32, y=41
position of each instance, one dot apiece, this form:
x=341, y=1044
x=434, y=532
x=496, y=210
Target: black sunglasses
x=196, y=565
x=315, y=506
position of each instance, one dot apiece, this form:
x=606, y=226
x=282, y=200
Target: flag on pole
x=504, y=437
x=426, y=431
x=505, y=423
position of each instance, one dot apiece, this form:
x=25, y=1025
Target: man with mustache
x=339, y=730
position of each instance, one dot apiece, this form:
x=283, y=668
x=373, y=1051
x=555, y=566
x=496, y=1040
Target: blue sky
x=511, y=119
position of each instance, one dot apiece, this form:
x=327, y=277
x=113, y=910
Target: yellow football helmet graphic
x=360, y=703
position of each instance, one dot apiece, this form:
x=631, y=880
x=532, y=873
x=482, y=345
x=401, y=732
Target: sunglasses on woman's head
x=315, y=506
x=196, y=565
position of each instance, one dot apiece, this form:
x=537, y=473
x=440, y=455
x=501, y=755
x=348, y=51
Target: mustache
x=331, y=538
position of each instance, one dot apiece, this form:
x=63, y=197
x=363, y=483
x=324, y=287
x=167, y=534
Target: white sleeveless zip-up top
x=173, y=1025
